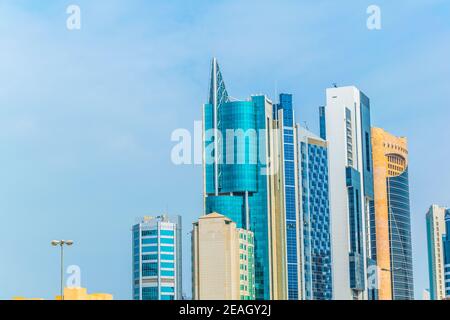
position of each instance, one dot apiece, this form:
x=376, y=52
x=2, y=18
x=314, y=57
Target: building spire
x=218, y=94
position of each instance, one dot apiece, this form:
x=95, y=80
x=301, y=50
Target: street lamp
x=62, y=243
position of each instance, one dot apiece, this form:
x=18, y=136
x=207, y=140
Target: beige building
x=222, y=260
x=435, y=231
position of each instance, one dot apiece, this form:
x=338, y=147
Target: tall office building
x=345, y=124
x=242, y=178
x=447, y=255
x=316, y=244
x=222, y=260
x=436, y=229
x=391, y=235
x=284, y=114
x=157, y=258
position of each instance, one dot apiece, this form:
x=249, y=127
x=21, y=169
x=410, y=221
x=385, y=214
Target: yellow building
x=392, y=215
x=223, y=260
x=76, y=294
x=81, y=294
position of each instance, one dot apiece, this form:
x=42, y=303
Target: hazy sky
x=86, y=116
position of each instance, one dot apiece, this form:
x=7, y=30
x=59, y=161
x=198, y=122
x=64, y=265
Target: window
x=167, y=273
x=167, y=265
x=150, y=293
x=147, y=257
x=168, y=289
x=149, y=249
x=348, y=115
x=150, y=269
x=150, y=241
x=167, y=240
x=167, y=257
x=167, y=249
x=146, y=233
x=368, y=152
x=168, y=233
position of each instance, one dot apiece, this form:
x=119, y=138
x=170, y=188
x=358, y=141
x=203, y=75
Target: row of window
x=155, y=241
x=163, y=257
x=151, y=293
x=147, y=233
x=151, y=270
x=165, y=249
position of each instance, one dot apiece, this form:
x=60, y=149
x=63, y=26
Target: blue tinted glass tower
x=391, y=223
x=239, y=177
x=400, y=236
x=284, y=113
x=317, y=272
x=157, y=259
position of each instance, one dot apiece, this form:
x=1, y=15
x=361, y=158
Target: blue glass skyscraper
x=316, y=244
x=157, y=258
x=284, y=113
x=238, y=178
x=400, y=236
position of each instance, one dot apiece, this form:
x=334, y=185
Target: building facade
x=436, y=230
x=284, y=114
x=447, y=254
x=315, y=217
x=74, y=293
x=222, y=260
x=346, y=125
x=242, y=178
x=77, y=293
x=391, y=237
x=157, y=258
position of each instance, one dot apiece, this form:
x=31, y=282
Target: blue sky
x=86, y=116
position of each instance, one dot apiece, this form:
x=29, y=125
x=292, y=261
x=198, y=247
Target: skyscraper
x=284, y=114
x=316, y=244
x=157, y=258
x=447, y=254
x=391, y=235
x=345, y=124
x=436, y=229
x=223, y=260
x=242, y=177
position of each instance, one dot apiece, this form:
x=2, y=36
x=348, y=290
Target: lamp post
x=62, y=243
